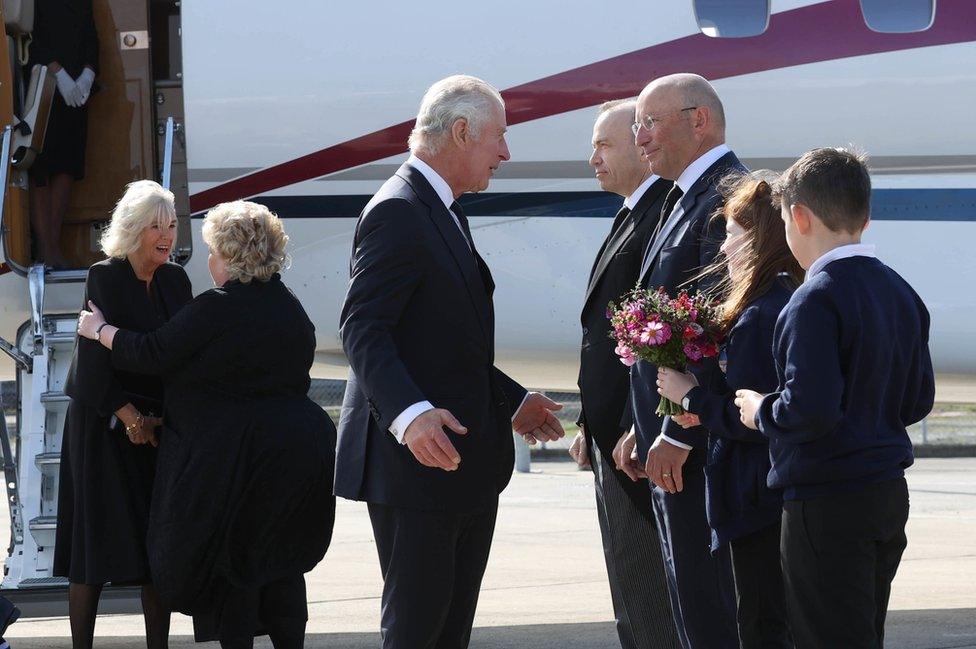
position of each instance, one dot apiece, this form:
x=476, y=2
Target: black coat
x=106, y=481
x=243, y=485
x=684, y=247
x=418, y=324
x=603, y=380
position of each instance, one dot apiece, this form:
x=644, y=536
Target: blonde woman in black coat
x=108, y=453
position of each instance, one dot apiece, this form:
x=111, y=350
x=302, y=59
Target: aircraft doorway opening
x=136, y=88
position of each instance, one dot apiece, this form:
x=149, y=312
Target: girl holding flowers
x=758, y=276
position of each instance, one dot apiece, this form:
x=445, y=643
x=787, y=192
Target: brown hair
x=765, y=255
x=834, y=184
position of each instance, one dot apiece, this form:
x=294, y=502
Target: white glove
x=68, y=88
x=84, y=83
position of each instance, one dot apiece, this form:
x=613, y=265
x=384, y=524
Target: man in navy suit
x=681, y=128
x=425, y=431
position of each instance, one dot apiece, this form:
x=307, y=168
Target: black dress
x=106, y=481
x=243, y=492
x=64, y=31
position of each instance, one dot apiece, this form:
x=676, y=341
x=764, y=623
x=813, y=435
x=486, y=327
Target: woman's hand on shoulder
x=89, y=321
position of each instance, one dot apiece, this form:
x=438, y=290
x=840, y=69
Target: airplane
x=306, y=107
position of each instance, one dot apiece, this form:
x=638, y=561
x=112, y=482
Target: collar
x=840, y=252
x=631, y=201
x=694, y=171
x=440, y=185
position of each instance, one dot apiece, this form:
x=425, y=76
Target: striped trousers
x=635, y=565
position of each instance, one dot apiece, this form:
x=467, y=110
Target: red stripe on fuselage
x=820, y=32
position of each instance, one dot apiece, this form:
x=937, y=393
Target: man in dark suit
x=681, y=129
x=638, y=584
x=425, y=431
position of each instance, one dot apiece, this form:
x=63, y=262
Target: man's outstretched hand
x=534, y=420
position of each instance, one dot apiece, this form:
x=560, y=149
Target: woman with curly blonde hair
x=243, y=502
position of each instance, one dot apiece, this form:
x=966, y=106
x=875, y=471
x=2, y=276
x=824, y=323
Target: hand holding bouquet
x=666, y=332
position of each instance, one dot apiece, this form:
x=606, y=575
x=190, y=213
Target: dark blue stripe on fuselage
x=887, y=205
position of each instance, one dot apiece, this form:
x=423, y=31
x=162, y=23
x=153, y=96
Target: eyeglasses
x=649, y=122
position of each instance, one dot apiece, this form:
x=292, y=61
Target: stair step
x=65, y=276
x=42, y=582
x=60, y=338
x=43, y=523
x=43, y=460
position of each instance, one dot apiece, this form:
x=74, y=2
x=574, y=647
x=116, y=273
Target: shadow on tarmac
x=925, y=629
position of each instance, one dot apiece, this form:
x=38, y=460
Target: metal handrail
x=168, y=153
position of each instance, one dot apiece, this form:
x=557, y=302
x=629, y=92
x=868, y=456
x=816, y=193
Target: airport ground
x=546, y=584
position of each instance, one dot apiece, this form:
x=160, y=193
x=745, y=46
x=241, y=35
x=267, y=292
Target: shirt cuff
x=520, y=406
x=405, y=418
x=674, y=442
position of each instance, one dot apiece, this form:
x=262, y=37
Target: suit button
x=585, y=331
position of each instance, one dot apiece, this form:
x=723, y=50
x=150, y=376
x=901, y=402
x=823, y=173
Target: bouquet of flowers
x=664, y=331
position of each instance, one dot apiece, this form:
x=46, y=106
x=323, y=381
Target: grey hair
x=456, y=97
x=618, y=104
x=695, y=90
x=144, y=203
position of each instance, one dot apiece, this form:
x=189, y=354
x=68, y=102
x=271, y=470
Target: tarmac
x=546, y=583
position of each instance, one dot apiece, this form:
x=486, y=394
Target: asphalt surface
x=546, y=583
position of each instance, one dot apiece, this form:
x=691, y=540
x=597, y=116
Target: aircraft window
x=732, y=18
x=898, y=16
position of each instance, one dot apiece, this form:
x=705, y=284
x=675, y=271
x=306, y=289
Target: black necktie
x=674, y=195
x=463, y=221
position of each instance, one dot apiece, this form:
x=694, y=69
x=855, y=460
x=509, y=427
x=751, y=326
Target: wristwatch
x=99, y=330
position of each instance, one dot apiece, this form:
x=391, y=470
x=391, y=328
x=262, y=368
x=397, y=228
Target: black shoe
x=8, y=614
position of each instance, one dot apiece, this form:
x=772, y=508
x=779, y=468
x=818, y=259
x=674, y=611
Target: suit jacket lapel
x=454, y=240
x=684, y=207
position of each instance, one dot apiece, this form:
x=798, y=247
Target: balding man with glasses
x=681, y=129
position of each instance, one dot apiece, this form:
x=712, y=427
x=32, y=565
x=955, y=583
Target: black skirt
x=104, y=493
x=64, y=143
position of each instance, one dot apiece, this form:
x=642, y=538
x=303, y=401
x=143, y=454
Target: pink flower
x=626, y=355
x=655, y=333
x=693, y=351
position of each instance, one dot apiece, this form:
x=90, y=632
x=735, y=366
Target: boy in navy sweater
x=852, y=358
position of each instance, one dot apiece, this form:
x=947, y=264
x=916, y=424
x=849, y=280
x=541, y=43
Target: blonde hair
x=249, y=238
x=144, y=202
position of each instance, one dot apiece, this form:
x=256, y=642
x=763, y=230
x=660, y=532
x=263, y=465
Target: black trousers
x=432, y=565
x=700, y=583
x=840, y=554
x=278, y=609
x=760, y=600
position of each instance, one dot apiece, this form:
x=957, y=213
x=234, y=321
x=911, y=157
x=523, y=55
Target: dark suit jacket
x=603, y=380
x=418, y=324
x=684, y=246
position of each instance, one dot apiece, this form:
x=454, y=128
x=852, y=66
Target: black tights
x=83, y=609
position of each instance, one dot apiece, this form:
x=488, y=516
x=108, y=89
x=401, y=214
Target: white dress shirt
x=443, y=190
x=840, y=252
x=631, y=201
x=689, y=177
